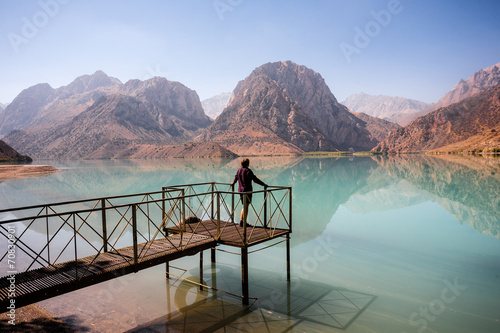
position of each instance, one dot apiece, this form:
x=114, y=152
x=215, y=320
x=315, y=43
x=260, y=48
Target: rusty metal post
x=47, y=225
x=201, y=270
x=244, y=275
x=183, y=217
x=218, y=215
x=183, y=209
x=163, y=213
x=288, y=299
x=169, y=306
x=245, y=212
x=288, y=257
x=76, y=248
x=290, y=209
x=214, y=279
x=232, y=203
x=134, y=235
x=265, y=207
x=104, y=227
x=212, y=213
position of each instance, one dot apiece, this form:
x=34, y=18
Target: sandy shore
x=33, y=318
x=8, y=172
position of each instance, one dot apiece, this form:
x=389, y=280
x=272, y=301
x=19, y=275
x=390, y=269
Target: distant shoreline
x=13, y=171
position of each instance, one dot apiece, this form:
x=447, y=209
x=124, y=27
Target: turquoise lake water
x=408, y=244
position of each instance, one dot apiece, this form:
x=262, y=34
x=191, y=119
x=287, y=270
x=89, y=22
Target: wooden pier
x=90, y=241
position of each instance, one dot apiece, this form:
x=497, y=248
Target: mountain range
x=214, y=106
x=476, y=118
x=97, y=116
x=393, y=109
x=279, y=108
x=403, y=111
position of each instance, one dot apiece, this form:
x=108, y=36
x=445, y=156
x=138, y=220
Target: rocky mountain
x=174, y=105
x=485, y=141
x=43, y=105
x=2, y=107
x=7, y=153
x=378, y=128
x=393, y=109
x=480, y=81
x=215, y=105
x=449, y=125
x=25, y=107
x=288, y=108
x=98, y=116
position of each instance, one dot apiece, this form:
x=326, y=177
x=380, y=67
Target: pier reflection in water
x=276, y=307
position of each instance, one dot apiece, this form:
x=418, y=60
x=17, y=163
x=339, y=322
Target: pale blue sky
x=419, y=51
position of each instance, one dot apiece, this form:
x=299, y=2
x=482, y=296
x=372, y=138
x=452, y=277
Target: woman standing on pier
x=244, y=176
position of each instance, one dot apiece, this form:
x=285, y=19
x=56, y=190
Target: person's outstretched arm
x=235, y=179
x=257, y=180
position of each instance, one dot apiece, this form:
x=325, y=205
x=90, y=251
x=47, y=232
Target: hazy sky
x=417, y=49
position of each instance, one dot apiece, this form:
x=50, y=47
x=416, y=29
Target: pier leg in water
x=288, y=257
x=201, y=270
x=244, y=274
x=214, y=278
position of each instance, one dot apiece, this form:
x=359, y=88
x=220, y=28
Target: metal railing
x=52, y=234
x=270, y=208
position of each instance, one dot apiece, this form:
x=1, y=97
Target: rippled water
x=409, y=244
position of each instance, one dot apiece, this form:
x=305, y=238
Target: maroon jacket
x=244, y=177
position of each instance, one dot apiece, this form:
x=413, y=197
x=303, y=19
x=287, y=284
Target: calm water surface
x=406, y=244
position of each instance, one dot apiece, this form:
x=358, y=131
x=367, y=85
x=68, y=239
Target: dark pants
x=249, y=197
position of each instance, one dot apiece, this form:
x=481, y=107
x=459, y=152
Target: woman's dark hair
x=245, y=162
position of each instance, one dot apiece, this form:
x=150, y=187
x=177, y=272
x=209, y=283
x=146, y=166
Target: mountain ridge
x=95, y=114
x=279, y=108
x=448, y=125
x=393, y=109
x=478, y=82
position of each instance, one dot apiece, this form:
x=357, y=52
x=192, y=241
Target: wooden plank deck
x=232, y=233
x=42, y=283
x=45, y=282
